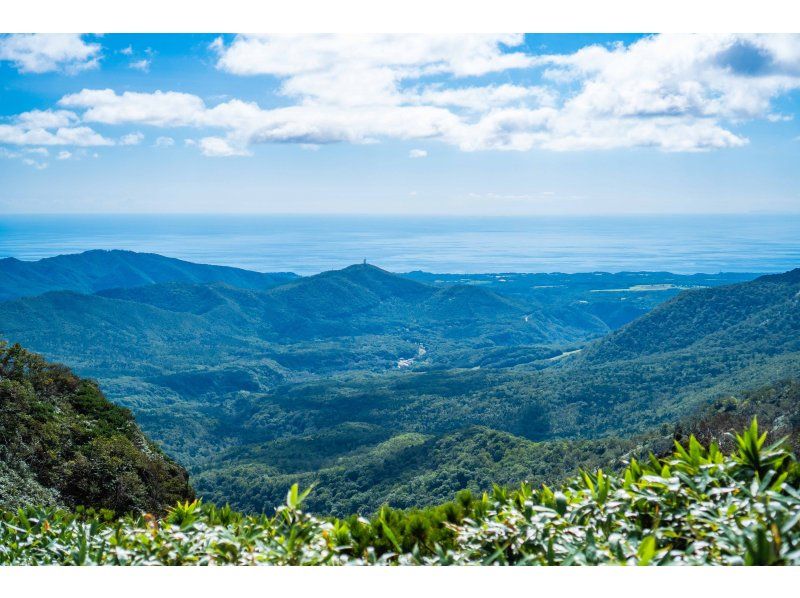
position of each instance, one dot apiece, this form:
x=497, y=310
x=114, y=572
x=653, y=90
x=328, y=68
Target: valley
x=397, y=389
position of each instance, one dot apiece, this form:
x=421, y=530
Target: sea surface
x=311, y=244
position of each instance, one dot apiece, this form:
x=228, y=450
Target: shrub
x=695, y=507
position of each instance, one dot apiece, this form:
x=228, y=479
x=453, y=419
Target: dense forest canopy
x=62, y=443
x=401, y=390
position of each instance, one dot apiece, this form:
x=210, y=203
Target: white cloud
x=141, y=65
x=161, y=109
x=131, y=139
x=417, y=153
x=127, y=51
x=78, y=136
x=670, y=92
x=217, y=147
x=46, y=119
x=358, y=70
x=49, y=127
x=164, y=142
x=481, y=99
x=64, y=155
x=45, y=52
x=717, y=76
x=404, y=55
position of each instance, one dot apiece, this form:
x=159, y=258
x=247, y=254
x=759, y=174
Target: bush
x=695, y=507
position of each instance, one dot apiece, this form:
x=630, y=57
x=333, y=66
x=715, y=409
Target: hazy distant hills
x=189, y=319
x=96, y=270
x=615, y=298
x=358, y=292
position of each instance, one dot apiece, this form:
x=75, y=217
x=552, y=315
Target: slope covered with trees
x=754, y=314
x=413, y=417
x=96, y=270
x=372, y=384
x=62, y=443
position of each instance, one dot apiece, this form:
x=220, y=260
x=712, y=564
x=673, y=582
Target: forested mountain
x=357, y=318
x=405, y=389
x=96, y=270
x=62, y=443
x=583, y=401
x=756, y=314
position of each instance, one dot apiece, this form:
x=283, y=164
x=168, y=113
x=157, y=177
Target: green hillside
x=357, y=469
x=63, y=444
x=370, y=384
x=95, y=270
x=582, y=400
x=754, y=314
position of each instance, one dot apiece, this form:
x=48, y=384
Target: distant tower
x=365, y=261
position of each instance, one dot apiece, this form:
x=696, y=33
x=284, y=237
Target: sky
x=400, y=124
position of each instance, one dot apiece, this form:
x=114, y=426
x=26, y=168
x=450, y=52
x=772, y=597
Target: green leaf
x=647, y=550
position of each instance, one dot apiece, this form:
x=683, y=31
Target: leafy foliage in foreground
x=695, y=507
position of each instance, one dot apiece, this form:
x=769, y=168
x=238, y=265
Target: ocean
x=311, y=244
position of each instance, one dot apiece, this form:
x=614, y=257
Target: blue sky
x=509, y=124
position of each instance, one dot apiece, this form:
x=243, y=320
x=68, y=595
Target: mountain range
x=95, y=270
x=398, y=388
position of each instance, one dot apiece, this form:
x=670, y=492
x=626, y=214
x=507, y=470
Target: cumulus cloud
x=161, y=109
x=131, y=138
x=404, y=55
x=417, y=153
x=670, y=92
x=46, y=52
x=47, y=127
x=703, y=76
x=217, y=147
x=64, y=155
x=46, y=119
